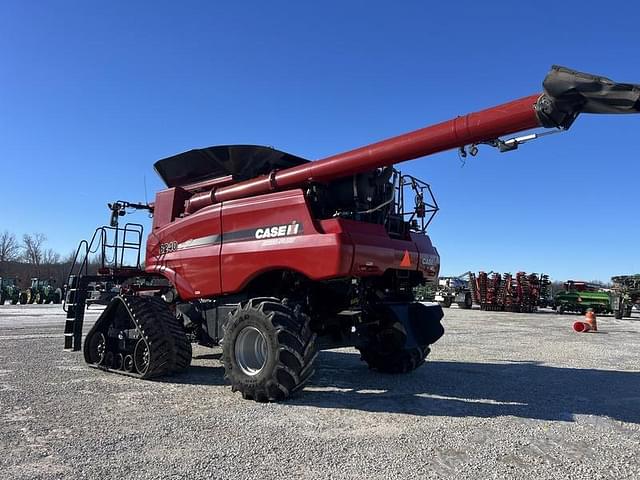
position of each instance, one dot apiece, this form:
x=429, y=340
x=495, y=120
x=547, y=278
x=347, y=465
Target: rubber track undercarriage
x=137, y=336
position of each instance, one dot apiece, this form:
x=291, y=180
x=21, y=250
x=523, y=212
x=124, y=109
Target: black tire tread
x=169, y=348
x=296, y=350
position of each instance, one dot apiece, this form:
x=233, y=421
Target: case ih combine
x=264, y=252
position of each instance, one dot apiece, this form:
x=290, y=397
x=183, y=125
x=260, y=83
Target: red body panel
x=202, y=261
x=194, y=265
x=311, y=253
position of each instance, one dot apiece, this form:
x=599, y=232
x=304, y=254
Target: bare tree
x=9, y=247
x=32, y=248
x=50, y=257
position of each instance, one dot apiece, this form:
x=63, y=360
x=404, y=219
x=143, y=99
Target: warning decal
x=406, y=259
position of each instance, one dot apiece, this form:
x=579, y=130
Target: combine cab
x=270, y=255
x=580, y=296
x=625, y=293
x=9, y=290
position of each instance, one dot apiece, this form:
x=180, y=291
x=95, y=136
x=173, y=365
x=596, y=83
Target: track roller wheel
x=109, y=359
x=118, y=361
x=268, y=350
x=141, y=357
x=97, y=349
x=142, y=337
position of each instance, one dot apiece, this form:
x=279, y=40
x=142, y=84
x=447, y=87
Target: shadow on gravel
x=521, y=389
x=198, y=375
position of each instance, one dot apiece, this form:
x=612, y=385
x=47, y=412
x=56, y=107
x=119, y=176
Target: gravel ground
x=502, y=396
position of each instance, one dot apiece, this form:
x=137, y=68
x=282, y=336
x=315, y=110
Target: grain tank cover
x=241, y=161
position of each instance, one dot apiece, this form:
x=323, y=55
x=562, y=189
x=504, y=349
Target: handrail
x=112, y=254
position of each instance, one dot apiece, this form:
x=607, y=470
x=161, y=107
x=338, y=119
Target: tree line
x=29, y=257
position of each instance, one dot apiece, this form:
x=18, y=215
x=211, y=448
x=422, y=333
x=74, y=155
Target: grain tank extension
x=272, y=256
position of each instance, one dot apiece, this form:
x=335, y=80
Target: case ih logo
x=293, y=228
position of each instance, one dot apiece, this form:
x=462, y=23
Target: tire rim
x=251, y=351
x=98, y=348
x=141, y=357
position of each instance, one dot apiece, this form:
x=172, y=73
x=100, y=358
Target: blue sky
x=92, y=93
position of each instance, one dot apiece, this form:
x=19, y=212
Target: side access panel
x=276, y=231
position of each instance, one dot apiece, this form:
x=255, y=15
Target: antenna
x=144, y=181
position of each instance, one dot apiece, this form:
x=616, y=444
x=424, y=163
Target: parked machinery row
x=506, y=292
x=40, y=291
x=9, y=290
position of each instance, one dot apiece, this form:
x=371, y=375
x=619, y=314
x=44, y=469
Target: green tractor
x=9, y=290
x=580, y=296
x=41, y=291
x=625, y=293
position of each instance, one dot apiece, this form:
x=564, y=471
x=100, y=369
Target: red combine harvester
x=266, y=253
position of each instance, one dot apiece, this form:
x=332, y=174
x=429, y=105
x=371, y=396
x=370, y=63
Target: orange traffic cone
x=581, y=327
x=591, y=319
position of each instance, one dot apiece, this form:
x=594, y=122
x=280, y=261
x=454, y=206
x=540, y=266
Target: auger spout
x=566, y=94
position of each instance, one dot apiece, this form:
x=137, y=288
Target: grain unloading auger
x=268, y=254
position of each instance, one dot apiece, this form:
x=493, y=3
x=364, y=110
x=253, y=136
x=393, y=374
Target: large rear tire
x=446, y=303
x=268, y=350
